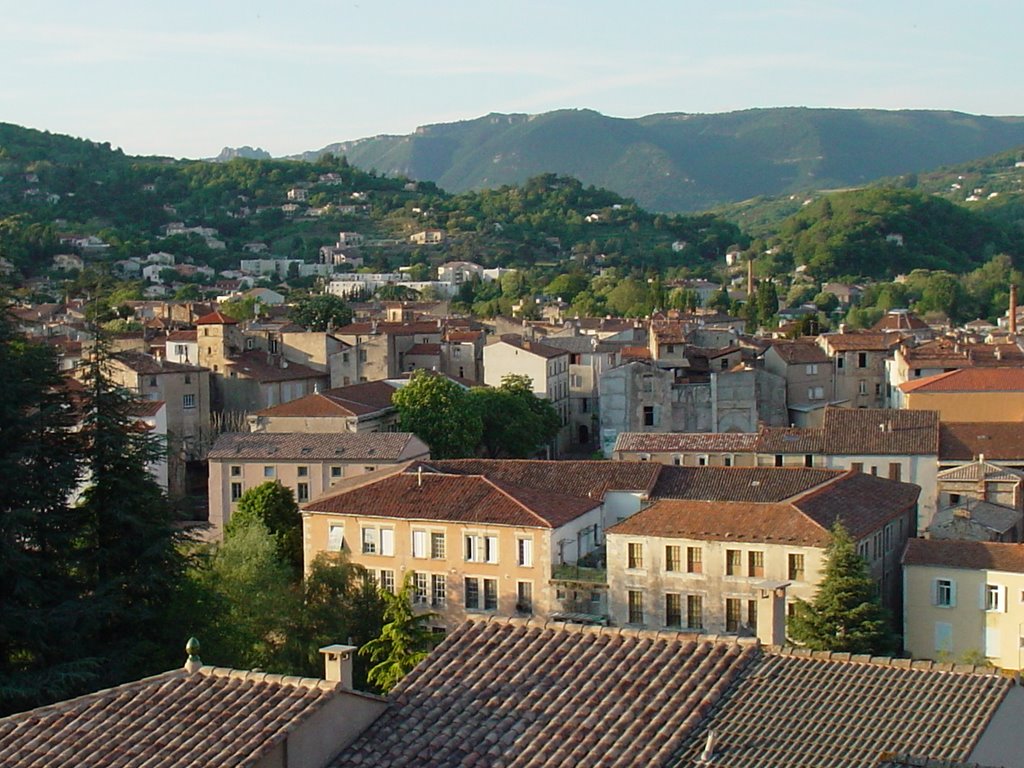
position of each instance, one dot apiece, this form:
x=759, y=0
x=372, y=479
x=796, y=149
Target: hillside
x=683, y=162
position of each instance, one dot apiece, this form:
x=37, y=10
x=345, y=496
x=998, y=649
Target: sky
x=186, y=78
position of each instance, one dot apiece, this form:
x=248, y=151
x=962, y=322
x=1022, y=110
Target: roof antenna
x=709, y=749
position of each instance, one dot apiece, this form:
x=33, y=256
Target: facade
x=963, y=601
x=588, y=359
x=356, y=408
x=703, y=565
x=969, y=394
x=979, y=501
x=809, y=375
x=308, y=464
x=859, y=362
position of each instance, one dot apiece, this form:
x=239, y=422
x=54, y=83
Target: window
x=236, y=491
x=419, y=543
x=439, y=588
x=635, y=555
x=778, y=459
x=648, y=415
x=995, y=598
x=302, y=471
x=437, y=546
x=188, y=401
x=369, y=541
x=673, y=610
x=733, y=562
x=152, y=381
x=895, y=470
x=945, y=593
x=481, y=549
x=862, y=359
x=236, y=471
x=369, y=468
x=456, y=352
x=733, y=610
x=755, y=564
x=472, y=594
x=188, y=378
x=490, y=594
x=673, y=558
x=180, y=351
x=386, y=580
x=344, y=357
x=420, y=584
x=724, y=365
x=954, y=498
x=302, y=492
x=335, y=537
x=796, y=567
x=840, y=361
x=524, y=552
x=808, y=459
x=752, y=615
x=378, y=541
x=727, y=461
x=694, y=560
x=857, y=466
x=524, y=596
x=270, y=472
x=862, y=387
x=815, y=393
x=636, y=607
x=702, y=461
x=584, y=405
x=336, y=472
x=695, y=612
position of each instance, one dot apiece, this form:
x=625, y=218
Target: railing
x=581, y=573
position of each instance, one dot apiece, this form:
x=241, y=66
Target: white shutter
x=491, y=549
x=952, y=593
x=935, y=591
x=992, y=643
x=943, y=637
x=387, y=541
x=336, y=538
x=419, y=543
x=1002, y=599
x=525, y=552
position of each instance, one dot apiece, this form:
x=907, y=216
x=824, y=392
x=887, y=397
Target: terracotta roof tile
x=354, y=400
x=147, y=365
x=975, y=555
x=526, y=694
x=880, y=431
x=899, y=320
x=315, y=446
x=864, y=342
x=213, y=717
x=748, y=484
x=969, y=380
x=664, y=442
x=799, y=352
x=589, y=479
x=216, y=318
x=253, y=365
x=996, y=440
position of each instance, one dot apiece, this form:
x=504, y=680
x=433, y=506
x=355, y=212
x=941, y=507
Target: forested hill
x=683, y=162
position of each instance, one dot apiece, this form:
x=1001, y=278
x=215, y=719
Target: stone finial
x=193, y=663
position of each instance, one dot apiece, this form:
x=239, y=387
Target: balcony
x=580, y=574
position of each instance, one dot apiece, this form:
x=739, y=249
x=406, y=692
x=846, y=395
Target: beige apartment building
x=964, y=601
x=309, y=464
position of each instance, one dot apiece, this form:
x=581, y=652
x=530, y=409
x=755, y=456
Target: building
x=357, y=408
x=199, y=715
x=701, y=562
x=859, y=362
x=980, y=501
x=962, y=601
x=969, y=394
x=376, y=350
x=533, y=693
x=809, y=375
x=308, y=464
x=588, y=359
x=999, y=442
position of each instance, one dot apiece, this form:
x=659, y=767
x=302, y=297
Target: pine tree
x=404, y=641
x=846, y=614
x=40, y=586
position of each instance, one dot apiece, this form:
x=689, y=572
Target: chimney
x=771, y=623
x=750, y=278
x=338, y=664
x=1013, y=310
x=709, y=749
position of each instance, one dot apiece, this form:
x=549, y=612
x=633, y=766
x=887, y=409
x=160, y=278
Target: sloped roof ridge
x=246, y=675
x=507, y=489
x=923, y=665
x=815, y=490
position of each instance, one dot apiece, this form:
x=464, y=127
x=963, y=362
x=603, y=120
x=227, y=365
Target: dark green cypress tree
x=846, y=614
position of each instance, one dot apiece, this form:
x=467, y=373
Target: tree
x=321, y=312
x=41, y=659
x=515, y=421
x=767, y=301
x=440, y=413
x=240, y=309
x=273, y=505
x=130, y=558
x=845, y=614
x=720, y=300
x=404, y=641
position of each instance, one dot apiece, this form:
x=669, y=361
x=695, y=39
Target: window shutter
x=952, y=593
x=419, y=543
x=935, y=591
x=492, y=549
x=1002, y=599
x=981, y=597
x=387, y=541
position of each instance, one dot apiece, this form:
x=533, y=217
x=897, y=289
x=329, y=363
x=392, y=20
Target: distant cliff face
x=247, y=152
x=684, y=162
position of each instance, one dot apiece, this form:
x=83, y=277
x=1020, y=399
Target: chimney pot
x=338, y=664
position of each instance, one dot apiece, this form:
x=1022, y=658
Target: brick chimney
x=771, y=614
x=338, y=664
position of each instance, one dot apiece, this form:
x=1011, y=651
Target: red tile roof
x=253, y=365
x=996, y=440
x=635, y=353
x=182, y=336
x=880, y=431
x=969, y=380
x=534, y=694
x=753, y=484
x=147, y=365
x=355, y=400
x=217, y=717
x=863, y=342
x=667, y=442
x=216, y=318
x=974, y=555
x=590, y=479
x=799, y=352
x=315, y=446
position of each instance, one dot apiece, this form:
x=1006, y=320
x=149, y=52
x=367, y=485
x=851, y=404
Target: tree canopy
x=321, y=312
x=274, y=505
x=404, y=640
x=516, y=423
x=440, y=412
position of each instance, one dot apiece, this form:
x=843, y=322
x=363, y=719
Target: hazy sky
x=185, y=78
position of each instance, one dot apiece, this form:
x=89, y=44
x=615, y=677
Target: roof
x=980, y=470
x=473, y=499
x=528, y=694
x=314, y=446
x=996, y=440
x=665, y=442
x=185, y=336
x=861, y=342
x=355, y=400
x=216, y=318
x=899, y=320
x=146, y=409
x=589, y=479
x=393, y=328
x=880, y=431
x=969, y=380
x=799, y=352
x=973, y=555
x=752, y=484
x=147, y=365
x=253, y=365
x=996, y=518
x=534, y=347
x=216, y=716
x=424, y=349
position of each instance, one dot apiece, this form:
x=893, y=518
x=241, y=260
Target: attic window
x=338, y=451
x=305, y=449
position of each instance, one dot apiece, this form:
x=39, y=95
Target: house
x=459, y=272
x=810, y=378
x=701, y=560
x=376, y=350
x=547, y=367
x=911, y=363
x=969, y=394
x=962, y=601
x=998, y=442
x=68, y=262
x=588, y=359
x=905, y=323
x=428, y=237
x=356, y=408
x=182, y=347
x=534, y=693
x=847, y=293
x=181, y=718
x=859, y=362
x=482, y=536
x=979, y=501
x=309, y=464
